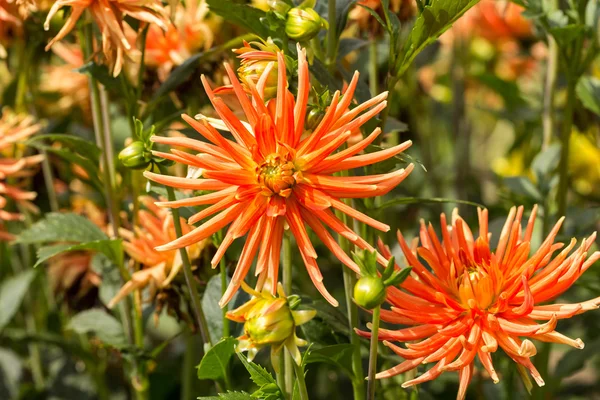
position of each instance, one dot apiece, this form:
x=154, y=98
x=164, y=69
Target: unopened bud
x=369, y=292
x=270, y=321
x=135, y=156
x=303, y=24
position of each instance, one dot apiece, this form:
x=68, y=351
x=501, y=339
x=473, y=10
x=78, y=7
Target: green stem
x=549, y=88
x=188, y=371
x=373, y=354
x=301, y=382
x=187, y=270
x=373, y=68
x=287, y=288
x=331, y=35
x=563, y=182
x=223, y=271
x=358, y=385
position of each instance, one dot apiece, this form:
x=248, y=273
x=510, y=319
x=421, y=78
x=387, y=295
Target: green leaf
x=84, y=147
x=214, y=363
x=375, y=15
x=241, y=15
x=62, y=227
x=103, y=75
x=546, y=162
x=112, y=249
x=11, y=370
x=419, y=200
x=588, y=91
x=258, y=374
x=179, y=75
x=210, y=305
x=338, y=355
x=229, y=396
x=435, y=19
x=575, y=359
x=522, y=186
x=12, y=292
x=106, y=327
x=398, y=277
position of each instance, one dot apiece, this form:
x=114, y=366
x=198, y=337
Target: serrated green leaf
x=12, y=292
x=338, y=355
x=258, y=374
x=62, y=227
x=112, y=249
x=103, y=325
x=588, y=91
x=435, y=19
x=214, y=363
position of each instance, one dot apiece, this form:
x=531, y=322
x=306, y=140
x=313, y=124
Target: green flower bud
x=135, y=156
x=314, y=118
x=303, y=24
x=270, y=321
x=369, y=292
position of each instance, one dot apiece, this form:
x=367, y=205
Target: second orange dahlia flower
x=472, y=300
x=276, y=174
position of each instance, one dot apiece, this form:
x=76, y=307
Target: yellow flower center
x=476, y=289
x=276, y=175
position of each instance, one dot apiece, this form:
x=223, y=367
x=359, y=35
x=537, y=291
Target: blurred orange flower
x=158, y=268
x=109, y=15
x=472, y=300
x=192, y=30
x=276, y=174
x=15, y=128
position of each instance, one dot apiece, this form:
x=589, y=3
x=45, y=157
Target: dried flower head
x=472, y=300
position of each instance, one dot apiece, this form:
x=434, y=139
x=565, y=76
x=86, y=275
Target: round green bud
x=135, y=156
x=369, y=292
x=303, y=24
x=314, y=118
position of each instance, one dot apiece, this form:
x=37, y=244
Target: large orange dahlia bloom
x=14, y=129
x=276, y=174
x=470, y=300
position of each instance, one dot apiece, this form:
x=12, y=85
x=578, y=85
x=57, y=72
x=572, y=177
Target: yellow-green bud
x=314, y=118
x=270, y=321
x=369, y=292
x=303, y=24
x=135, y=156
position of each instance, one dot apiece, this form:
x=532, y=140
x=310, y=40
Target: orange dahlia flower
x=15, y=128
x=275, y=174
x=470, y=300
x=158, y=268
x=192, y=30
x=109, y=15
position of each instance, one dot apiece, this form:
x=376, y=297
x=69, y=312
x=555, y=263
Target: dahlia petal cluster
x=15, y=128
x=464, y=301
x=158, y=268
x=275, y=175
x=109, y=15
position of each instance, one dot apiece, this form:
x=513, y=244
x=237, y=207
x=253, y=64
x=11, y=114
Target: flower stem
x=373, y=87
x=301, y=382
x=287, y=287
x=331, y=35
x=373, y=354
x=549, y=87
x=358, y=381
x=563, y=182
x=187, y=270
x=223, y=271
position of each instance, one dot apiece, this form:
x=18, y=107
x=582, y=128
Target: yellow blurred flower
x=269, y=321
x=584, y=164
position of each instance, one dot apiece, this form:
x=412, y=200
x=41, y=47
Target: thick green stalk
x=187, y=270
x=549, y=88
x=301, y=382
x=331, y=35
x=287, y=287
x=373, y=71
x=563, y=168
x=373, y=354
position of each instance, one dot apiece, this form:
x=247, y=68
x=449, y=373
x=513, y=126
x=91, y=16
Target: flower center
x=476, y=289
x=276, y=175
